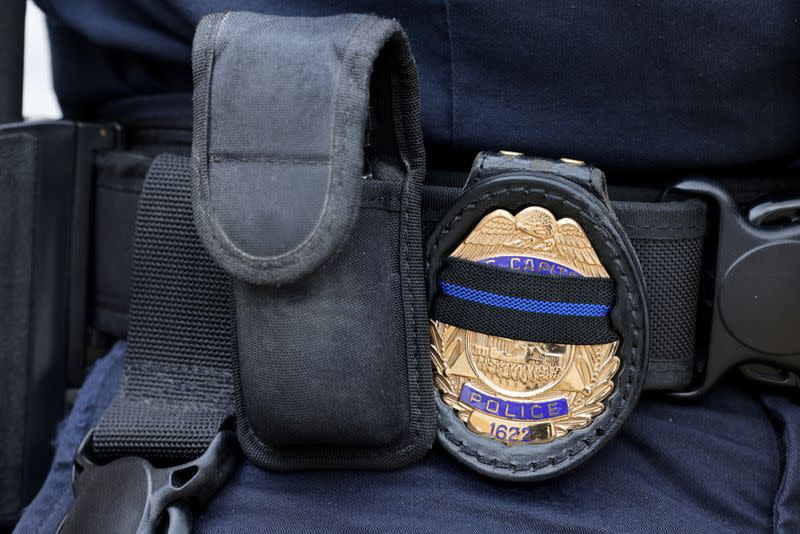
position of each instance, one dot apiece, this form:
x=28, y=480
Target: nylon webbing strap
x=177, y=388
x=668, y=239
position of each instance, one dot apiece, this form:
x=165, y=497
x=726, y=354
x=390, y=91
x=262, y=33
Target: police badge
x=520, y=391
x=537, y=350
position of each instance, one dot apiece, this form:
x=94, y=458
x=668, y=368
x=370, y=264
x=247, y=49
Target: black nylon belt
x=667, y=236
x=178, y=363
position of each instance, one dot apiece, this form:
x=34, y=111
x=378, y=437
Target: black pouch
x=307, y=165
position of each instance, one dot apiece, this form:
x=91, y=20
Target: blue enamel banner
x=511, y=409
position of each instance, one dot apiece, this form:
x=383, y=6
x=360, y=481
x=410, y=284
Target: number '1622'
x=511, y=433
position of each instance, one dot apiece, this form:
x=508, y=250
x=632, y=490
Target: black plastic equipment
x=755, y=290
x=131, y=495
x=44, y=237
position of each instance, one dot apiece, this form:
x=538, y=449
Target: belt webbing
x=178, y=388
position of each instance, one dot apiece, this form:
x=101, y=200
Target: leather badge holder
x=539, y=331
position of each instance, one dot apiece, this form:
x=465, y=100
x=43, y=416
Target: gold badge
x=522, y=392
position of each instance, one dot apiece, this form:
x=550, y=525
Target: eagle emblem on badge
x=524, y=392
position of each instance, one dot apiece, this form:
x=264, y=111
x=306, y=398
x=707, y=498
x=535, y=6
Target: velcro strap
x=523, y=305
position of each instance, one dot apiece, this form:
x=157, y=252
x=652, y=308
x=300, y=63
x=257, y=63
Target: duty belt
x=295, y=281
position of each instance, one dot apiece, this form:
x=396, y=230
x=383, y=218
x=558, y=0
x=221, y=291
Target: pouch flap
x=280, y=112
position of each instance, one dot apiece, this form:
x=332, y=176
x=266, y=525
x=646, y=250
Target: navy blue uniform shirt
x=626, y=85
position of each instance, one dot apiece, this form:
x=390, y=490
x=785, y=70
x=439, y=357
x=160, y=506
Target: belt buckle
x=755, y=289
x=130, y=494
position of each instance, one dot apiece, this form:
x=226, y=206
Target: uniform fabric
x=727, y=464
x=624, y=85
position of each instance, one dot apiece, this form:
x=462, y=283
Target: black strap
x=523, y=305
x=178, y=389
x=668, y=238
